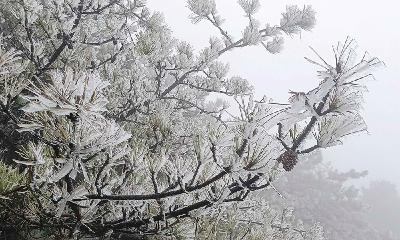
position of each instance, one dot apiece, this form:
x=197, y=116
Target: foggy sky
x=373, y=24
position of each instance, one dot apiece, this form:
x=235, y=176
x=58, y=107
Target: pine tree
x=319, y=193
x=108, y=128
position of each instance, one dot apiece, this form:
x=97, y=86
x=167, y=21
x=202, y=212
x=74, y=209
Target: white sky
x=375, y=27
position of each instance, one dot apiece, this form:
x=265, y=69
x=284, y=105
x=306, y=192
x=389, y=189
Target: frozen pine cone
x=288, y=159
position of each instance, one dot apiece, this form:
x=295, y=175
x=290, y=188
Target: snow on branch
x=116, y=127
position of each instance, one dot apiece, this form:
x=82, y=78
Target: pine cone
x=288, y=159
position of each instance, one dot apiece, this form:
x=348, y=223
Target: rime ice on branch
x=107, y=116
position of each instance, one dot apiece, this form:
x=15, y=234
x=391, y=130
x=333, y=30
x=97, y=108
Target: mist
x=199, y=119
x=374, y=27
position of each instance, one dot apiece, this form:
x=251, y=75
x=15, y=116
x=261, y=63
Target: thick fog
x=112, y=127
x=373, y=25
